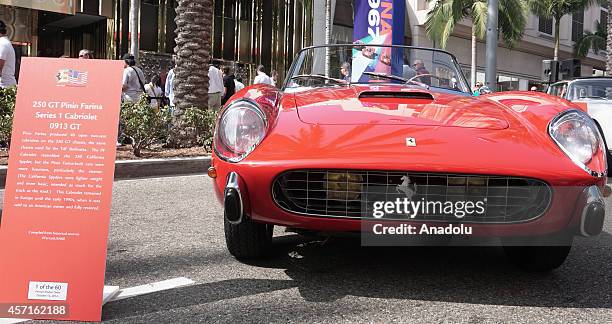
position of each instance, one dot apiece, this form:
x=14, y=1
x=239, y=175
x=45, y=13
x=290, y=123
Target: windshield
x=590, y=89
x=341, y=65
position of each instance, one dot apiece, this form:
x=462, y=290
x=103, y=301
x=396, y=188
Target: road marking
x=13, y=320
x=152, y=287
x=112, y=293
x=109, y=293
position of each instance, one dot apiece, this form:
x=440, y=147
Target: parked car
x=322, y=153
x=594, y=96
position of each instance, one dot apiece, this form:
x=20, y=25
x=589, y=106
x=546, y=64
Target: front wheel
x=248, y=239
x=545, y=254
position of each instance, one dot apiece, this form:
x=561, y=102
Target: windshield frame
x=585, y=82
x=299, y=58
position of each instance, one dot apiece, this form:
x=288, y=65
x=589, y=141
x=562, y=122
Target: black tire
x=248, y=240
x=546, y=254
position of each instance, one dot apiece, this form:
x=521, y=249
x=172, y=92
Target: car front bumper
x=576, y=206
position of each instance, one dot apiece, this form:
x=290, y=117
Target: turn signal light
x=212, y=172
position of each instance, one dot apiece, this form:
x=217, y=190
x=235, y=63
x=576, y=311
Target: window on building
x=577, y=25
x=545, y=25
x=170, y=25
x=149, y=13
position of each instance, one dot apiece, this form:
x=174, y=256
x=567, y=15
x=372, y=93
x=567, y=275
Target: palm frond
x=441, y=20
x=512, y=20
x=479, y=18
x=595, y=41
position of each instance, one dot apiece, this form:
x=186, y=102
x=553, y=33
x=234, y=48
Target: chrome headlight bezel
x=597, y=144
x=220, y=144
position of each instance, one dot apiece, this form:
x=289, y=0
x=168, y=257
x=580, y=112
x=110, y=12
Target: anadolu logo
x=71, y=78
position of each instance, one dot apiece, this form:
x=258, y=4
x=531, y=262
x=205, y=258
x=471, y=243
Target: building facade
x=246, y=33
x=518, y=68
x=270, y=32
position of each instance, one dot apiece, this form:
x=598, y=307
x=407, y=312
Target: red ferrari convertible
x=388, y=142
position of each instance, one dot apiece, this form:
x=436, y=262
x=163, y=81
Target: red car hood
x=395, y=105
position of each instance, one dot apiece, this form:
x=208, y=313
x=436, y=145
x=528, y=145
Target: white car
x=593, y=94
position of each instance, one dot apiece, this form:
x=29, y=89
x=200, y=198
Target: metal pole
x=491, y=53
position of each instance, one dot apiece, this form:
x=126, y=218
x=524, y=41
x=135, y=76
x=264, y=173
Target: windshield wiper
x=318, y=76
x=592, y=97
x=386, y=76
x=397, y=78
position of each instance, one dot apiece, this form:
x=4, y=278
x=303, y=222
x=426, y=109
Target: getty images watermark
x=409, y=209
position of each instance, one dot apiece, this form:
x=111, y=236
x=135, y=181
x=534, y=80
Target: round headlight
x=577, y=135
x=241, y=127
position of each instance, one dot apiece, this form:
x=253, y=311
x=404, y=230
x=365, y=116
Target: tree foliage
x=445, y=15
x=595, y=41
x=144, y=124
x=7, y=109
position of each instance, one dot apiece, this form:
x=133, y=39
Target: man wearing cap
x=7, y=59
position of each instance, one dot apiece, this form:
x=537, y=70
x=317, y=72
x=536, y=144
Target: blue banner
x=377, y=22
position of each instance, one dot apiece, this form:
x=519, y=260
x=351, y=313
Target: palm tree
x=134, y=14
x=556, y=9
x=595, y=41
x=193, y=45
x=441, y=21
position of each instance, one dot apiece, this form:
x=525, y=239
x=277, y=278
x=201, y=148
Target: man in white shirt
x=239, y=84
x=215, y=87
x=7, y=59
x=262, y=77
x=133, y=79
x=169, y=86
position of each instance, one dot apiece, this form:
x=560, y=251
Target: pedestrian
x=85, y=54
x=7, y=59
x=262, y=77
x=133, y=85
x=419, y=67
x=169, y=85
x=215, y=87
x=345, y=71
x=229, y=87
x=238, y=83
x=274, y=77
x=476, y=90
x=154, y=92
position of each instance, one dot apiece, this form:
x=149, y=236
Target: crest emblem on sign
x=71, y=78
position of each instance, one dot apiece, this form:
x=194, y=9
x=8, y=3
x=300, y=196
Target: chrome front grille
x=352, y=193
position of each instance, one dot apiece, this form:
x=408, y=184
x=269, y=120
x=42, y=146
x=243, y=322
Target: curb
x=149, y=168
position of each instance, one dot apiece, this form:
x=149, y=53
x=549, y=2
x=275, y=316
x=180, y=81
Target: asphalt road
x=172, y=227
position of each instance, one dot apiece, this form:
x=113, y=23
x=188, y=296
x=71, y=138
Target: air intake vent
x=396, y=94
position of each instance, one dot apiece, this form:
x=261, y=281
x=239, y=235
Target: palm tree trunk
x=193, y=45
x=134, y=13
x=328, y=27
x=474, y=53
x=557, y=38
x=609, y=43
